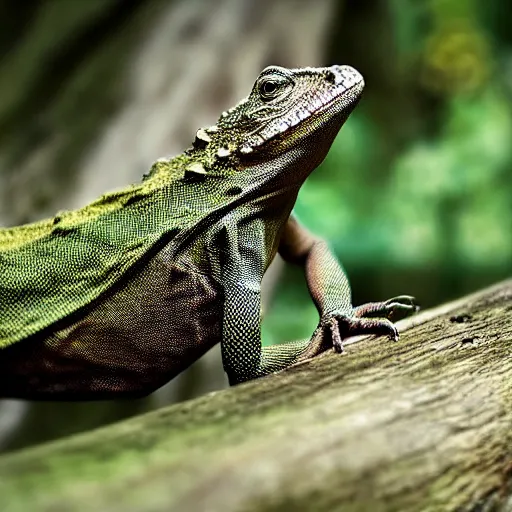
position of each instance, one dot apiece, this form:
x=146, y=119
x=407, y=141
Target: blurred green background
x=415, y=195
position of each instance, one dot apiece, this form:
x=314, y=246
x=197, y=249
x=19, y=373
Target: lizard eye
x=270, y=87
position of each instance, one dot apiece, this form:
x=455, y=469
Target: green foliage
x=428, y=191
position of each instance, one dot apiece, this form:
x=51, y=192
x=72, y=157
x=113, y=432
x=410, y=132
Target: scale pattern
x=120, y=296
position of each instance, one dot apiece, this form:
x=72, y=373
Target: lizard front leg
x=330, y=290
x=243, y=356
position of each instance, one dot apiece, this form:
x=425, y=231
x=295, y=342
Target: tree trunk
x=422, y=424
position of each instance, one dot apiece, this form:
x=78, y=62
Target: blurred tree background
x=415, y=196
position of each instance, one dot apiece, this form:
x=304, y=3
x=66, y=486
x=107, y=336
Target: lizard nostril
x=330, y=77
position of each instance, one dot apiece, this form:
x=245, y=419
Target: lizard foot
x=392, y=309
x=340, y=326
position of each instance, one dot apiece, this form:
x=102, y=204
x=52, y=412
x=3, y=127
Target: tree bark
x=422, y=424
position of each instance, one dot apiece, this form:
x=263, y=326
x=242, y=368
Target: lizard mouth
x=346, y=86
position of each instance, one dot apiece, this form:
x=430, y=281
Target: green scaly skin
x=117, y=298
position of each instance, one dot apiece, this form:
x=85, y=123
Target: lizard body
x=117, y=298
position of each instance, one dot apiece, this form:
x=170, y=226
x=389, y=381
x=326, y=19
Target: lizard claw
x=339, y=327
x=392, y=309
x=403, y=298
x=337, y=340
x=403, y=303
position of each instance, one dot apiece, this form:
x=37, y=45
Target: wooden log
x=422, y=424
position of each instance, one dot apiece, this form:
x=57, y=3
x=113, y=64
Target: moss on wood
x=422, y=424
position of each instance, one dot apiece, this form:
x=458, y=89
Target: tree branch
x=422, y=424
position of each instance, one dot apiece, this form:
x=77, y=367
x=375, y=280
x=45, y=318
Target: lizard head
x=297, y=110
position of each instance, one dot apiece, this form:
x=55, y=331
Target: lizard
x=118, y=297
